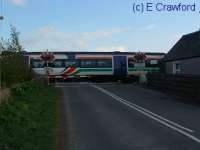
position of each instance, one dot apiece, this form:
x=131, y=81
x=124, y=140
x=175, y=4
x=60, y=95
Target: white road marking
x=158, y=116
x=151, y=115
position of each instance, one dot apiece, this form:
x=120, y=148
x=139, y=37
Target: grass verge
x=30, y=120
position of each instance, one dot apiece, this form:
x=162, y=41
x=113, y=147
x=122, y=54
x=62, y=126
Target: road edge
x=63, y=123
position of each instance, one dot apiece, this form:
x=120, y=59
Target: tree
x=14, y=44
x=13, y=67
x=3, y=46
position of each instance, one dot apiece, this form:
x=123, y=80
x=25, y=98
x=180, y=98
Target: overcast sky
x=96, y=25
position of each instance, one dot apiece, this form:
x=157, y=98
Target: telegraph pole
x=1, y=15
x=1, y=19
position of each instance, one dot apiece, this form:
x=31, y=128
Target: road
x=128, y=117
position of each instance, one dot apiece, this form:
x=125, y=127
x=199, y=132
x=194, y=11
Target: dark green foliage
x=13, y=69
x=29, y=120
x=19, y=90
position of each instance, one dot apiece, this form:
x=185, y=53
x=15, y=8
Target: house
x=184, y=57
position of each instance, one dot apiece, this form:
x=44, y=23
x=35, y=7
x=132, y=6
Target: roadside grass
x=29, y=121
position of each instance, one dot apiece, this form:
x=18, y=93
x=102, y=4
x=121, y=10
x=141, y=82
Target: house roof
x=187, y=47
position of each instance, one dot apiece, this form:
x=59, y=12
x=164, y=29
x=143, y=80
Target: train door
x=120, y=65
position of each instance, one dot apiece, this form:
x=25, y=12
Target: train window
x=50, y=64
x=104, y=63
x=72, y=56
x=70, y=63
x=88, y=63
x=58, y=64
x=153, y=62
x=131, y=63
x=37, y=64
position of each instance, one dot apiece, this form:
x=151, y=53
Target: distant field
x=30, y=120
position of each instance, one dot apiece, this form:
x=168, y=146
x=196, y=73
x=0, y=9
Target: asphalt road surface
x=128, y=117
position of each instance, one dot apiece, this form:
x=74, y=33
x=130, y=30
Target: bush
x=13, y=69
x=29, y=121
x=20, y=90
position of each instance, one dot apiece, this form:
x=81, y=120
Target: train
x=65, y=65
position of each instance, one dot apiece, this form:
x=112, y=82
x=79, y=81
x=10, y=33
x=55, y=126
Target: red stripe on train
x=68, y=71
